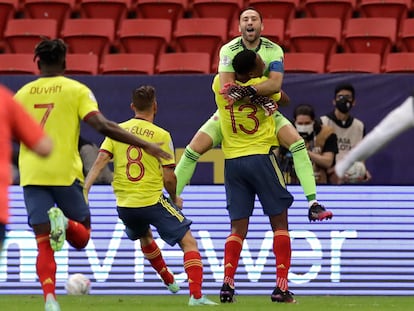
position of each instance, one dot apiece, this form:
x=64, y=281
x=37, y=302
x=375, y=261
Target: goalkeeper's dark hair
x=51, y=52
x=244, y=62
x=253, y=9
x=143, y=97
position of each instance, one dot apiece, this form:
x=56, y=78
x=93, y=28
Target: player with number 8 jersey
x=137, y=177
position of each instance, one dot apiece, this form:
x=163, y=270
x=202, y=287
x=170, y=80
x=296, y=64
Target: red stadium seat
x=406, y=36
x=284, y=9
x=88, y=35
x=7, y=10
x=370, y=35
x=354, y=62
x=342, y=9
x=304, y=62
x=397, y=9
x=399, y=63
x=228, y=9
x=113, y=9
x=169, y=9
x=316, y=35
x=274, y=30
x=184, y=63
x=22, y=35
x=200, y=35
x=11, y=64
x=148, y=35
x=121, y=64
x=58, y=10
x=82, y=64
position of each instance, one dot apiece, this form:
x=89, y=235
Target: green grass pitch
x=179, y=303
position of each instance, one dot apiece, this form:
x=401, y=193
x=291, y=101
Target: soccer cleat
x=318, y=212
x=57, y=228
x=51, y=304
x=282, y=296
x=203, y=301
x=173, y=287
x=227, y=293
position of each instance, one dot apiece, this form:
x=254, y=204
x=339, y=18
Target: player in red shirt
x=15, y=123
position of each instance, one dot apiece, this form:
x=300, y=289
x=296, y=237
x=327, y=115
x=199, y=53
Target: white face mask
x=306, y=129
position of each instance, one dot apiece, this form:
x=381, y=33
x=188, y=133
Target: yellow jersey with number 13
x=58, y=104
x=245, y=128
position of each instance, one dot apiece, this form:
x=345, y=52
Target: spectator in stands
x=321, y=143
x=348, y=129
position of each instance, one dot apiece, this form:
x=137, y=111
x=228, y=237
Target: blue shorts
x=244, y=177
x=170, y=222
x=2, y=235
x=70, y=199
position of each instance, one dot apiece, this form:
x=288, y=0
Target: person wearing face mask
x=349, y=130
x=320, y=141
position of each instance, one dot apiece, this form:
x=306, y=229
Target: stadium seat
x=316, y=35
x=342, y=9
x=150, y=35
x=406, y=36
x=16, y=63
x=397, y=9
x=274, y=30
x=200, y=35
x=304, y=62
x=284, y=9
x=113, y=9
x=228, y=9
x=82, y=64
x=7, y=10
x=184, y=63
x=58, y=10
x=22, y=35
x=88, y=35
x=354, y=62
x=399, y=63
x=370, y=35
x=169, y=9
x=114, y=64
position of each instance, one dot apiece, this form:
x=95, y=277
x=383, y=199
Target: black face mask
x=343, y=103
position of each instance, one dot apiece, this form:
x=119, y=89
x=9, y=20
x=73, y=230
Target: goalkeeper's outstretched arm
x=397, y=121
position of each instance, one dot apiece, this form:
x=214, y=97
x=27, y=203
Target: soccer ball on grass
x=78, y=284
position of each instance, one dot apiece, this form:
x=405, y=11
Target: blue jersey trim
x=276, y=66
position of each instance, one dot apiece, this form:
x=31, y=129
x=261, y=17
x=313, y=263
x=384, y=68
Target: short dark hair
x=304, y=109
x=143, y=97
x=244, y=62
x=50, y=52
x=250, y=8
x=345, y=86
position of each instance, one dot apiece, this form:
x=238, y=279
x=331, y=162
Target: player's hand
x=86, y=195
x=155, y=150
x=268, y=104
x=234, y=92
x=179, y=202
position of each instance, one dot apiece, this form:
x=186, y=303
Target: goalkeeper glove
x=268, y=104
x=234, y=92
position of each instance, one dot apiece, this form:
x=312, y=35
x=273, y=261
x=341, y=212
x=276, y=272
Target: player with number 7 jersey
x=53, y=187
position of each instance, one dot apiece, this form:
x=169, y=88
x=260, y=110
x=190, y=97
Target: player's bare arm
x=170, y=184
x=101, y=161
x=114, y=131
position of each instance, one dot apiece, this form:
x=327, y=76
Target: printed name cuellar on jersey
x=141, y=131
